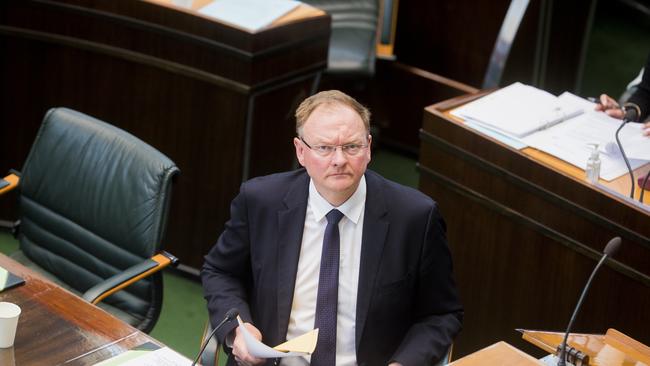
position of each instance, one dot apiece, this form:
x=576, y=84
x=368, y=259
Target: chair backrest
x=354, y=31
x=503, y=44
x=93, y=202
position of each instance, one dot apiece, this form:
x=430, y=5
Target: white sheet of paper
x=569, y=142
x=504, y=138
x=635, y=145
x=161, y=357
x=251, y=15
x=259, y=349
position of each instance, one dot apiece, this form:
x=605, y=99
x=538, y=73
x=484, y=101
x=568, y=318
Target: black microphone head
x=632, y=112
x=612, y=247
x=232, y=313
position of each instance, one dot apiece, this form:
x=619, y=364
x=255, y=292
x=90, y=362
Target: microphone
x=610, y=249
x=230, y=315
x=632, y=112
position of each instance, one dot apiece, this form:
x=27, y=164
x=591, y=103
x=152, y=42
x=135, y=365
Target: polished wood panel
x=498, y=354
x=217, y=100
x=56, y=326
x=613, y=348
x=525, y=234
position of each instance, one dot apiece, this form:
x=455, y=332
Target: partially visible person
x=640, y=100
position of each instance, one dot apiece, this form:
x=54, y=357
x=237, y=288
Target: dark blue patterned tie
x=328, y=294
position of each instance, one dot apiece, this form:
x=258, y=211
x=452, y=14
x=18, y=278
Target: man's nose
x=338, y=156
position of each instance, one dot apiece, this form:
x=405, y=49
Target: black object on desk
x=9, y=280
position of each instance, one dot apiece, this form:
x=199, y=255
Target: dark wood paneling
x=218, y=101
x=525, y=237
x=455, y=39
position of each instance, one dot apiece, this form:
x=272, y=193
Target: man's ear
x=300, y=150
x=369, y=147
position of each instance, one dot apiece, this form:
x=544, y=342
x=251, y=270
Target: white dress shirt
x=303, y=308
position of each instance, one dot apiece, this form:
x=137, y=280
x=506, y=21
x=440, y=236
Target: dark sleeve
x=438, y=310
x=226, y=273
x=641, y=96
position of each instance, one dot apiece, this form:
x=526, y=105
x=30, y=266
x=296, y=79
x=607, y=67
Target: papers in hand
x=251, y=15
x=299, y=346
x=518, y=110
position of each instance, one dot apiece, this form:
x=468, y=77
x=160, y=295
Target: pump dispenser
x=593, y=165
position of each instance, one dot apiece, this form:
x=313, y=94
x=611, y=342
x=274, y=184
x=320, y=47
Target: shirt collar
x=352, y=208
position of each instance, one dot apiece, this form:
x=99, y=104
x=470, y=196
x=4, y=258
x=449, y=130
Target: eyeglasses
x=326, y=150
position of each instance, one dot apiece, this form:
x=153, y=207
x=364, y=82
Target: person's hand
x=646, y=129
x=610, y=107
x=239, y=349
x=394, y=364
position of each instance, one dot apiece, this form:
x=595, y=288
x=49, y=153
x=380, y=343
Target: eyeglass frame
x=344, y=148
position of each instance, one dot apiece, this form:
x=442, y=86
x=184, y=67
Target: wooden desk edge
x=620, y=185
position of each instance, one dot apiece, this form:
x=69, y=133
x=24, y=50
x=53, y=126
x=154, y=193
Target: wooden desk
x=498, y=354
x=57, y=327
x=219, y=101
x=525, y=232
x=610, y=349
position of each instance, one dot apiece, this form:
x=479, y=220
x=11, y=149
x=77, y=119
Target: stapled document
x=518, y=110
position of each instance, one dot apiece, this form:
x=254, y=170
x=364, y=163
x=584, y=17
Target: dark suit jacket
x=407, y=306
x=641, y=96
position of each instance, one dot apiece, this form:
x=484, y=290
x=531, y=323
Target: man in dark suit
x=394, y=299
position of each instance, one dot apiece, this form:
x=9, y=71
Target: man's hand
x=610, y=107
x=239, y=349
x=646, y=129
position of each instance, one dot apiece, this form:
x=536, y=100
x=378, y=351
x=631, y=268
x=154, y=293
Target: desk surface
x=57, y=327
x=498, y=354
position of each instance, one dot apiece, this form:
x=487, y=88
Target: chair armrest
x=132, y=274
x=386, y=26
x=8, y=183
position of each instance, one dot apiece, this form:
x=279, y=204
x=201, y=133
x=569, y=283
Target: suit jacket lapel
x=375, y=228
x=291, y=222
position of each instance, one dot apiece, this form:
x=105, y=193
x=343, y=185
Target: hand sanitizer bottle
x=593, y=165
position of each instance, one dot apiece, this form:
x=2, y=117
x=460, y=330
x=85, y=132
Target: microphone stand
x=609, y=250
x=230, y=315
x=627, y=162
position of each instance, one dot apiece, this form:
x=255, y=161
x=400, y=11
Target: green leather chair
x=354, y=32
x=93, y=203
